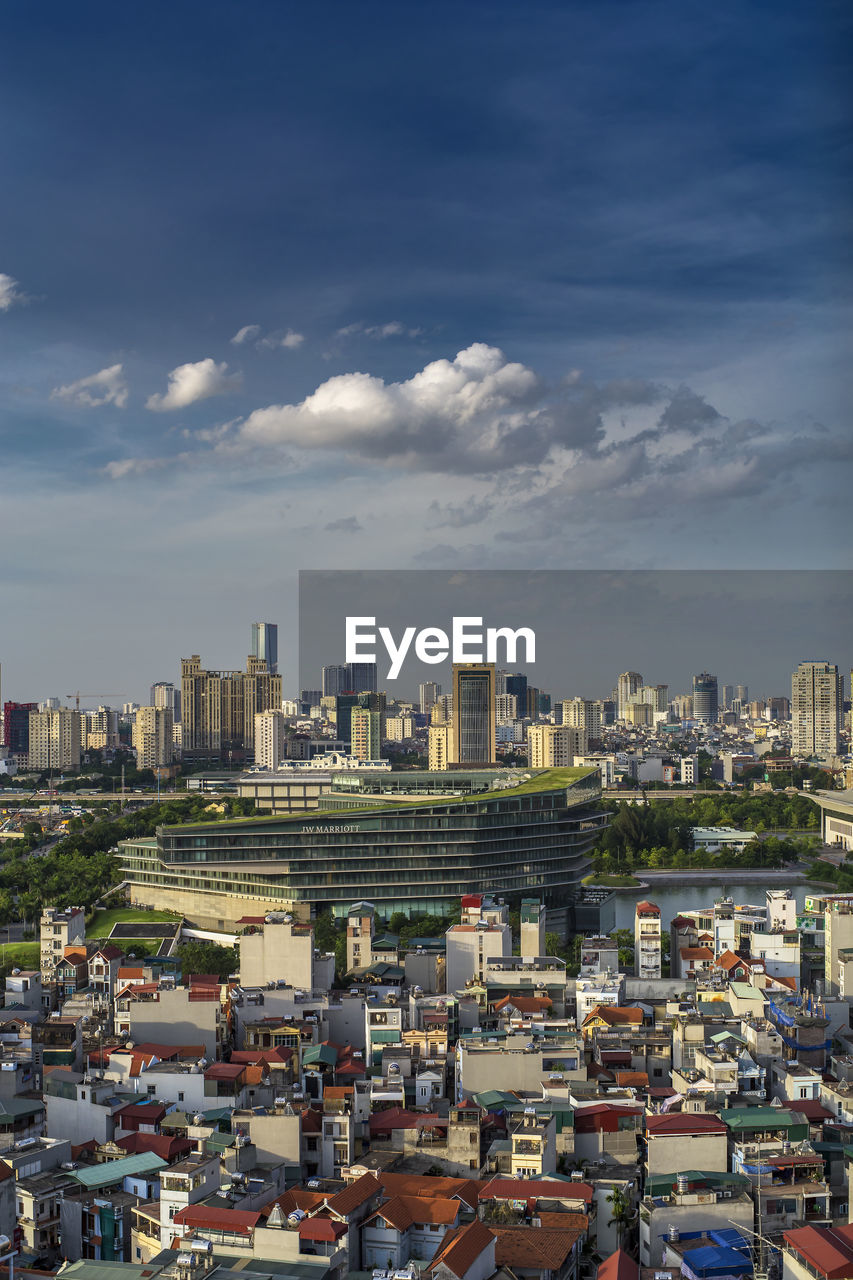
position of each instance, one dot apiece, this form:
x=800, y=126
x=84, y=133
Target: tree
x=208, y=957
x=623, y=1213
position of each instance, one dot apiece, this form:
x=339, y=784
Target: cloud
x=124, y=467
x=451, y=516
x=106, y=387
x=347, y=524
x=191, y=382
x=393, y=329
x=290, y=340
x=10, y=292
x=246, y=334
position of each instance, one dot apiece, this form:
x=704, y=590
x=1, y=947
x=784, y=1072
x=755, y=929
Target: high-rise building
x=55, y=739
x=164, y=694
x=427, y=695
x=728, y=694
x=265, y=644
x=219, y=707
x=516, y=683
x=506, y=707
x=269, y=739
x=780, y=708
x=16, y=726
x=366, y=733
x=742, y=692
x=705, y=702
x=473, y=713
x=335, y=680
x=629, y=683
x=101, y=730
x=816, y=709
x=554, y=746
x=153, y=739
x=363, y=677
x=583, y=714
x=440, y=743
x=344, y=705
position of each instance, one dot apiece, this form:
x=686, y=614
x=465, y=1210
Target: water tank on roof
x=674, y=1235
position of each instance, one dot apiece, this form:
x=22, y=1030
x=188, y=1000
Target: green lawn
x=612, y=882
x=19, y=955
x=102, y=925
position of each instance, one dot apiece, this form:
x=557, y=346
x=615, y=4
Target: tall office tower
x=530, y=706
x=506, y=707
x=164, y=694
x=516, y=682
x=442, y=711
x=473, y=713
x=363, y=677
x=427, y=694
x=219, y=707
x=742, y=692
x=500, y=682
x=585, y=715
x=705, y=706
x=153, y=739
x=269, y=739
x=816, y=709
x=55, y=739
x=16, y=725
x=780, y=708
x=335, y=680
x=544, y=703
x=365, y=733
x=265, y=644
x=553, y=746
x=728, y=694
x=629, y=683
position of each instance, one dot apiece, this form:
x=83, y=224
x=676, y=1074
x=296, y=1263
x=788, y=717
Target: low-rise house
x=677, y=1142
x=405, y=1228
x=693, y=1200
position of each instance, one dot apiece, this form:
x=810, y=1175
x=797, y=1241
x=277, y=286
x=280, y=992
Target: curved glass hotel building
x=531, y=833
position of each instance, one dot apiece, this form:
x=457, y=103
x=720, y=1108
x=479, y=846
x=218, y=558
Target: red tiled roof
x=240, y=1221
x=355, y=1195
x=814, y=1110
x=324, y=1229
x=461, y=1248
x=828, y=1250
x=160, y=1144
x=648, y=907
x=680, y=1123
x=632, y=1079
x=619, y=1266
x=525, y=1004
x=614, y=1015
x=402, y=1211
x=535, y=1189
x=397, y=1118
x=108, y=952
x=695, y=953
x=411, y=1184
x=545, y=1247
x=148, y=1111
x=224, y=1071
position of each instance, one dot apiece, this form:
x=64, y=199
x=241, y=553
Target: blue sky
x=391, y=286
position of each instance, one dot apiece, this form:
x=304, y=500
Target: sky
x=382, y=286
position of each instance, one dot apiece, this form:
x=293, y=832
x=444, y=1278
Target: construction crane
x=78, y=695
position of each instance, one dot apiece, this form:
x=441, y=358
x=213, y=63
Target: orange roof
x=614, y=1015
x=544, y=1247
x=696, y=953
x=411, y=1184
x=402, y=1211
x=524, y=1004
x=353, y=1196
x=619, y=1266
x=461, y=1248
x=650, y=908
x=634, y=1079
x=728, y=960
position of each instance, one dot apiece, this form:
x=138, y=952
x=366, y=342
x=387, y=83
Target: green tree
x=208, y=957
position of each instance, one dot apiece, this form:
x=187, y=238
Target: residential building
x=270, y=739
x=647, y=941
x=628, y=684
x=428, y=695
x=55, y=739
x=691, y=1201
x=218, y=708
x=153, y=738
x=583, y=714
x=366, y=733
x=277, y=947
x=816, y=710
x=679, y=1142
x=58, y=930
x=554, y=746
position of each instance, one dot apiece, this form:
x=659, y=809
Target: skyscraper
x=816, y=709
x=473, y=713
x=152, y=737
x=335, y=680
x=164, y=694
x=363, y=677
x=265, y=644
x=705, y=702
x=365, y=733
x=427, y=694
x=629, y=683
x=219, y=707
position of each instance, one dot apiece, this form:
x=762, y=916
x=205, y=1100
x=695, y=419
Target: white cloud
x=478, y=409
x=191, y=382
x=106, y=387
x=393, y=329
x=10, y=292
x=123, y=467
x=246, y=334
x=290, y=339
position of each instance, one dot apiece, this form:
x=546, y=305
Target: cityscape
x=426, y=681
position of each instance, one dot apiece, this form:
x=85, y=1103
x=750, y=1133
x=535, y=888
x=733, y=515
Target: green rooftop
x=543, y=780
x=661, y=1184
x=104, y=1175
x=747, y=1119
